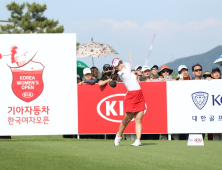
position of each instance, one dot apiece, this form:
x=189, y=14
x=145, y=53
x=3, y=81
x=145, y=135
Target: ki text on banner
x=101, y=109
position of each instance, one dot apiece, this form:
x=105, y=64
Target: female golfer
x=134, y=103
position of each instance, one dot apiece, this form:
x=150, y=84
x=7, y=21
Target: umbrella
x=80, y=68
x=218, y=61
x=94, y=49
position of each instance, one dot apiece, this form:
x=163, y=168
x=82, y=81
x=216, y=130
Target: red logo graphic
x=111, y=108
x=197, y=140
x=27, y=83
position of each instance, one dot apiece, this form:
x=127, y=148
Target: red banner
x=101, y=109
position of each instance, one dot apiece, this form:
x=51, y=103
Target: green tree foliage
x=29, y=18
x=77, y=44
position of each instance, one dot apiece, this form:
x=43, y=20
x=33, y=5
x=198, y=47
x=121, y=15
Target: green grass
x=54, y=152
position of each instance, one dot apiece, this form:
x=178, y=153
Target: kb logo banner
x=200, y=99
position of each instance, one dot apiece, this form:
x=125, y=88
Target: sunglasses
x=154, y=68
x=198, y=70
x=109, y=68
x=138, y=69
x=164, y=71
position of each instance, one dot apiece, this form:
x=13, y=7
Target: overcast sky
x=183, y=28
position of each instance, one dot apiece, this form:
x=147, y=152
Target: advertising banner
x=194, y=106
x=101, y=108
x=38, y=94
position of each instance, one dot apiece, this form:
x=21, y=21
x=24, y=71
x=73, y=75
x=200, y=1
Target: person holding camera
x=134, y=103
x=183, y=73
x=106, y=75
x=165, y=73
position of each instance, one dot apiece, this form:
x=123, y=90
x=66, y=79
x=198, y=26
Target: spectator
x=182, y=70
x=154, y=71
x=197, y=71
x=207, y=75
x=87, y=77
x=216, y=74
x=133, y=71
x=145, y=74
x=95, y=72
x=78, y=79
x=165, y=73
x=184, y=75
x=138, y=71
x=106, y=75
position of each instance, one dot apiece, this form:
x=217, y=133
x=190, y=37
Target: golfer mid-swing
x=134, y=103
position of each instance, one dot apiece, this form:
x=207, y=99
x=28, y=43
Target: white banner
x=38, y=94
x=194, y=106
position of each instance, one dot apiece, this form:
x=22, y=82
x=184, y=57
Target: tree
x=31, y=21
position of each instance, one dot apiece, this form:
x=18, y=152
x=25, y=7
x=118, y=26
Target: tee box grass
x=55, y=152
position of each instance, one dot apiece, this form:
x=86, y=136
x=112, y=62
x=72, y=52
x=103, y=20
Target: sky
x=183, y=28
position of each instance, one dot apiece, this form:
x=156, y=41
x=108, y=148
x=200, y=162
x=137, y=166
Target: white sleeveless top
x=128, y=78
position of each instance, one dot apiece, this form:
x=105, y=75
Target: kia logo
x=110, y=111
x=197, y=140
x=27, y=94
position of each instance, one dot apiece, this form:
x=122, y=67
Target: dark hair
x=215, y=69
x=93, y=68
x=195, y=66
x=115, y=76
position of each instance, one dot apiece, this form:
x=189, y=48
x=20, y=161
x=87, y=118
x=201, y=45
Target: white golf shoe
x=117, y=139
x=136, y=143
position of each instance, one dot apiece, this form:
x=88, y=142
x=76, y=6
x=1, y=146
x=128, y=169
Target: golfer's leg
x=138, y=123
x=126, y=120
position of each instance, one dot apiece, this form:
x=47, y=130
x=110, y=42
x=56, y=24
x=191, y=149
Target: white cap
x=181, y=67
x=144, y=68
x=137, y=67
x=115, y=62
x=154, y=66
x=78, y=76
x=86, y=71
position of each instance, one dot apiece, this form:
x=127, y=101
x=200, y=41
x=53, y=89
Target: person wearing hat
x=207, y=75
x=165, y=72
x=183, y=73
x=138, y=69
x=145, y=74
x=106, y=75
x=134, y=103
x=216, y=74
x=154, y=72
x=87, y=77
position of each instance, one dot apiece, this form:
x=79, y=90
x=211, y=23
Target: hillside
x=205, y=59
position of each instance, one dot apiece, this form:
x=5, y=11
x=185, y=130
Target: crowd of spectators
x=151, y=74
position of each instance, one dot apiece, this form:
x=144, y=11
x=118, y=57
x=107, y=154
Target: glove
x=112, y=83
